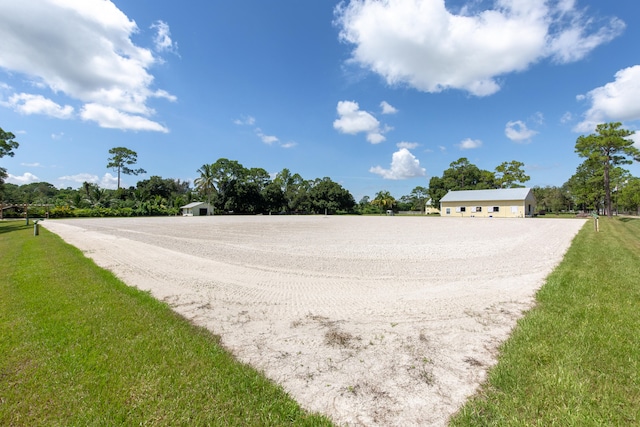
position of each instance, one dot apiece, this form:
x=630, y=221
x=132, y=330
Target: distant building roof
x=192, y=205
x=486, y=195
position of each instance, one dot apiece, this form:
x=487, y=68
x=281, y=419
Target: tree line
x=226, y=184
x=599, y=184
x=463, y=175
x=230, y=187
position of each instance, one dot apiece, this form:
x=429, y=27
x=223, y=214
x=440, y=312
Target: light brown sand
x=376, y=321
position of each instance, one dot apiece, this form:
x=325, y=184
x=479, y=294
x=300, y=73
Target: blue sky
x=376, y=95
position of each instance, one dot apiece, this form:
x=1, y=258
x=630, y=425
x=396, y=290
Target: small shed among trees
x=500, y=203
x=197, y=209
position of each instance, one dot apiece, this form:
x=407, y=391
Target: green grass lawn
x=574, y=360
x=80, y=348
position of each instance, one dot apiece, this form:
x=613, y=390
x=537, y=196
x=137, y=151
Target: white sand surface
x=374, y=321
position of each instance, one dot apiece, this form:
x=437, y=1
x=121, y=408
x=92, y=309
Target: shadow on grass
x=8, y=226
x=628, y=219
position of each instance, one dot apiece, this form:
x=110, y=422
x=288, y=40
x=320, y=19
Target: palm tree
x=206, y=183
x=98, y=195
x=77, y=200
x=384, y=200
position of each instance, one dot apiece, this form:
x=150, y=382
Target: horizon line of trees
x=599, y=184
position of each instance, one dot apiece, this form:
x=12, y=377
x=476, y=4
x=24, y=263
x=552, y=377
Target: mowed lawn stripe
x=79, y=347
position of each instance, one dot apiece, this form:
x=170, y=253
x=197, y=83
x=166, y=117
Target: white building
x=197, y=209
x=501, y=203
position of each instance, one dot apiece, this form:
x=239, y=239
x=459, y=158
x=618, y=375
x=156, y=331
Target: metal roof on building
x=192, y=205
x=486, y=195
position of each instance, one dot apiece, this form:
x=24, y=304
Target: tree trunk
x=607, y=185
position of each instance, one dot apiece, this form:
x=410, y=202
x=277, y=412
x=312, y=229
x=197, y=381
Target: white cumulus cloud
x=517, y=131
x=404, y=165
x=566, y=117
x=112, y=118
x=80, y=178
x=424, y=45
x=538, y=118
x=162, y=39
x=267, y=139
x=616, y=101
x=106, y=181
x=109, y=181
x=25, y=103
x=388, y=108
x=289, y=144
x=90, y=59
x=352, y=121
x=407, y=145
x=470, y=144
x=245, y=121
x=25, y=178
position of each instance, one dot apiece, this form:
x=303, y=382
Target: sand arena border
x=371, y=320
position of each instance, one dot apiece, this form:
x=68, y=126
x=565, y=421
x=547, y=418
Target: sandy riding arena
x=374, y=321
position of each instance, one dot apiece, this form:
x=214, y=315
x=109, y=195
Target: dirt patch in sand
x=388, y=321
